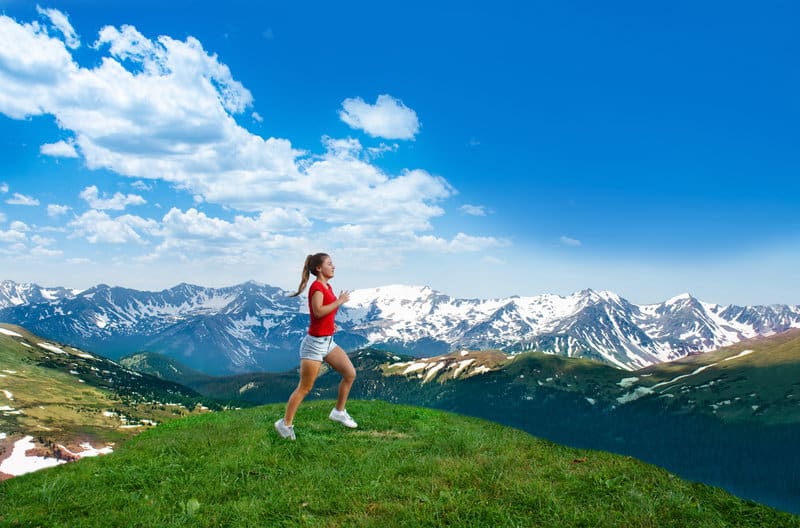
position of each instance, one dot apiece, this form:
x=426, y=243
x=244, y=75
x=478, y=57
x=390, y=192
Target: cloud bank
x=165, y=110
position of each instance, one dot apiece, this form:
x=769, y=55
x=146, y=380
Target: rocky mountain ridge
x=253, y=326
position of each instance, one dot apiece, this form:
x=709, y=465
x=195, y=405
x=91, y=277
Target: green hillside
x=60, y=394
x=405, y=466
x=163, y=367
x=755, y=381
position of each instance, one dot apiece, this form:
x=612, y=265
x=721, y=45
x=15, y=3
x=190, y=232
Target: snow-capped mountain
x=15, y=294
x=253, y=326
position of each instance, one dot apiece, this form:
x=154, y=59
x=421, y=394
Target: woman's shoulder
x=318, y=286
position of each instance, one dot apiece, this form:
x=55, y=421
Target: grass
x=405, y=466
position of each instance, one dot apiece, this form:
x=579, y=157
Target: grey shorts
x=316, y=348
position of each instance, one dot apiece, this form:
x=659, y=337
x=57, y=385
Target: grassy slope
x=760, y=387
x=69, y=408
x=406, y=466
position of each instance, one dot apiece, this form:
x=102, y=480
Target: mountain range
x=253, y=326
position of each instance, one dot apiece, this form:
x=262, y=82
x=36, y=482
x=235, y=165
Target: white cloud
x=118, y=202
x=42, y=241
x=474, y=210
x=54, y=210
x=571, y=242
x=98, y=226
x=60, y=149
x=21, y=199
x=16, y=232
x=61, y=23
x=257, y=117
x=194, y=234
x=348, y=190
x=3, y=188
x=380, y=150
x=461, y=243
x=2, y=217
x=162, y=110
x=195, y=224
x=11, y=236
x=40, y=251
x=388, y=118
x=139, y=185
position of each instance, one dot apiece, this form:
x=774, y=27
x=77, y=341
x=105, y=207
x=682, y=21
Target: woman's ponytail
x=309, y=268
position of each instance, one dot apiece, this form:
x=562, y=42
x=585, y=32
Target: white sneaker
x=343, y=418
x=286, y=431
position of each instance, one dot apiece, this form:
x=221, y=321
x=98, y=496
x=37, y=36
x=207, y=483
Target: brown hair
x=310, y=267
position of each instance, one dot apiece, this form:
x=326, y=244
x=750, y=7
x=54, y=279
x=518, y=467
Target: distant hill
x=756, y=381
x=63, y=396
x=163, y=367
x=404, y=466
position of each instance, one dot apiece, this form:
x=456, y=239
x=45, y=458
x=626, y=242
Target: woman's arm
x=321, y=310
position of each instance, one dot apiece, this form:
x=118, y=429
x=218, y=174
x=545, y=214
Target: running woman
x=318, y=345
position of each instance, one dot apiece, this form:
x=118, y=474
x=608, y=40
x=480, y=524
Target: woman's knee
x=304, y=389
x=349, y=375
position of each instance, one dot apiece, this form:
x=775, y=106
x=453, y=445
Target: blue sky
x=482, y=149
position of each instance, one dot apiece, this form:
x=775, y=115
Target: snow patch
x=462, y=365
x=433, y=371
x=246, y=387
x=673, y=380
x=415, y=367
x=89, y=450
x=19, y=463
x=101, y=320
x=9, y=332
x=742, y=354
x=637, y=393
x=51, y=347
x=627, y=382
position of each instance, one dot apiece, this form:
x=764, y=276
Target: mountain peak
x=683, y=297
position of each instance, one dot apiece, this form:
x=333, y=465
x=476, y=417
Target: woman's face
x=327, y=268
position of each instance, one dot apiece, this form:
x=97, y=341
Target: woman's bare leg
x=338, y=359
x=309, y=369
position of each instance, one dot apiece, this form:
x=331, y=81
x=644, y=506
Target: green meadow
x=404, y=466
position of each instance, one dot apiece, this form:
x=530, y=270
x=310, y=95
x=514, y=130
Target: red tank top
x=321, y=327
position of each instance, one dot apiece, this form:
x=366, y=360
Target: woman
x=318, y=345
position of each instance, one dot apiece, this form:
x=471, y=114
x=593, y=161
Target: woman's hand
x=344, y=296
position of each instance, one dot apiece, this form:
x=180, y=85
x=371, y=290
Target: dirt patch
x=7, y=446
x=383, y=434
